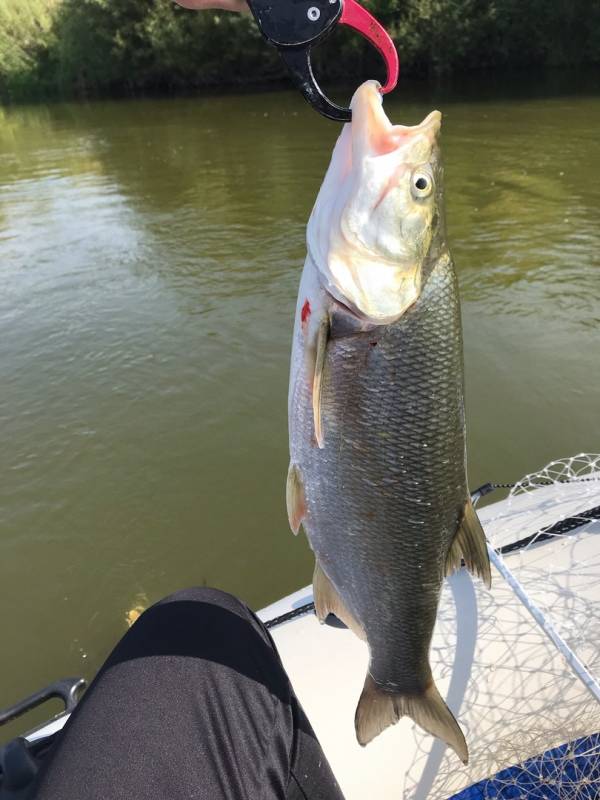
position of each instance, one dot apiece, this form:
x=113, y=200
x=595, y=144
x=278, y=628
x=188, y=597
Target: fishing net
x=572, y=482
x=557, y=562
x=520, y=663
x=584, y=467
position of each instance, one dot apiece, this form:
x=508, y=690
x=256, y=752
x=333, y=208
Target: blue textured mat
x=568, y=772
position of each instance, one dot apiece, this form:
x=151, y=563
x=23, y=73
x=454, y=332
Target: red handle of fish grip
x=357, y=17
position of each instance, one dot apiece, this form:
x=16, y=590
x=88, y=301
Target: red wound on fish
x=305, y=313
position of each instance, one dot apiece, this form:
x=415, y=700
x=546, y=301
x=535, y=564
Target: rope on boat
x=297, y=612
x=557, y=529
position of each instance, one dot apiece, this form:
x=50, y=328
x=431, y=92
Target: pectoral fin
x=322, y=338
x=328, y=601
x=295, y=499
x=470, y=544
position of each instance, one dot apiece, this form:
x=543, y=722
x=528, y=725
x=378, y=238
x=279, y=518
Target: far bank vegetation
x=83, y=48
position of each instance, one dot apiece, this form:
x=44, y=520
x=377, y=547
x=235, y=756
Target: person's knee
x=191, y=621
x=207, y=595
x=202, y=630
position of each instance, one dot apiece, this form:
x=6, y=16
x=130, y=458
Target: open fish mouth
x=372, y=129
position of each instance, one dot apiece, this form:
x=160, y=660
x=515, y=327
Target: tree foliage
x=95, y=47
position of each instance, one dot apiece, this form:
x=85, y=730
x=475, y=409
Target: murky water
x=150, y=253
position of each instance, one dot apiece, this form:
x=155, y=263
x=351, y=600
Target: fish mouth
x=372, y=129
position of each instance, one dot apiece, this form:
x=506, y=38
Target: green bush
x=26, y=39
x=98, y=47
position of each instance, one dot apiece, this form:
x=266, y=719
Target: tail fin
x=378, y=709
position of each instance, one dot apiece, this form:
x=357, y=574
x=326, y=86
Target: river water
x=150, y=253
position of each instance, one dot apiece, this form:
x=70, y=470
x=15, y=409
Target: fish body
x=376, y=413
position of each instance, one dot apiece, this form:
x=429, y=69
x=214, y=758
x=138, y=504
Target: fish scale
x=388, y=489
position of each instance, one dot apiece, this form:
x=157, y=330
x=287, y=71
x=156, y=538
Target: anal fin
x=328, y=601
x=470, y=544
x=294, y=498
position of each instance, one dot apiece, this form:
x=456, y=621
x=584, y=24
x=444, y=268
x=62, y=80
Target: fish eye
x=421, y=184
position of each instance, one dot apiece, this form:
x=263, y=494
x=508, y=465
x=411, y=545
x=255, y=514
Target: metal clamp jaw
x=294, y=26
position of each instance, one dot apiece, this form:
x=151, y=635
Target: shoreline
x=528, y=83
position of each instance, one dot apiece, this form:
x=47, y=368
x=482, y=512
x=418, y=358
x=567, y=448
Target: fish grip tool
x=295, y=26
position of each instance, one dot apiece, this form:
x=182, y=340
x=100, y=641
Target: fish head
x=378, y=212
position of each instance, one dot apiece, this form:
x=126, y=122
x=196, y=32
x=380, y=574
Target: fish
x=377, y=476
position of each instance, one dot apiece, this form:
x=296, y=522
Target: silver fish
x=377, y=475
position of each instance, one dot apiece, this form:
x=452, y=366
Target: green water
x=150, y=253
